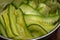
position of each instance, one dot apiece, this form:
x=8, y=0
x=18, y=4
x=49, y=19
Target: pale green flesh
x=24, y=33
x=36, y=30
x=26, y=22
x=37, y=20
x=12, y=19
x=6, y=22
x=2, y=31
x=28, y=10
x=33, y=4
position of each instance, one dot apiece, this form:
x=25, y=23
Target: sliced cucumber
x=43, y=9
x=2, y=30
x=46, y=23
x=17, y=3
x=48, y=19
x=53, y=4
x=24, y=33
x=2, y=27
x=29, y=10
x=12, y=19
x=32, y=4
x=6, y=24
x=36, y=30
x=25, y=1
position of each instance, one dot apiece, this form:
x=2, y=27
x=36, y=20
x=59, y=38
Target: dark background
x=53, y=36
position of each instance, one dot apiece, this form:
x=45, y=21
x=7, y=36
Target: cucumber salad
x=28, y=19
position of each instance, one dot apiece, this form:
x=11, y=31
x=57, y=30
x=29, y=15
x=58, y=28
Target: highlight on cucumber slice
x=46, y=23
x=48, y=19
x=29, y=10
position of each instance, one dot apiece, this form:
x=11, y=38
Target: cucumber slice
x=53, y=4
x=29, y=10
x=2, y=30
x=2, y=27
x=24, y=33
x=17, y=3
x=25, y=1
x=32, y=4
x=43, y=9
x=36, y=30
x=48, y=19
x=43, y=21
x=12, y=19
x=6, y=23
